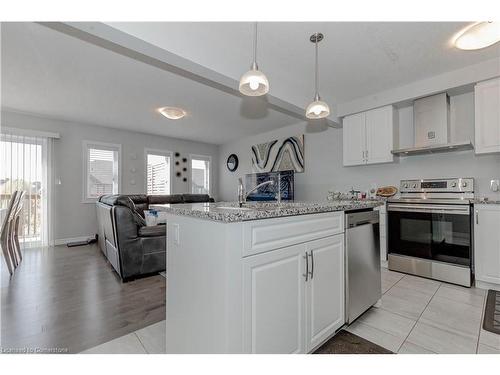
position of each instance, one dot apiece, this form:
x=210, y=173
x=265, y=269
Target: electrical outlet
x=495, y=185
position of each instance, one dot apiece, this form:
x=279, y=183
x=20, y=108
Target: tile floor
x=148, y=340
x=418, y=315
x=414, y=316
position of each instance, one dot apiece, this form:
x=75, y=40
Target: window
x=102, y=166
x=200, y=174
x=158, y=172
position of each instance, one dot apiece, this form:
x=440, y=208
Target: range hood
x=458, y=146
x=431, y=121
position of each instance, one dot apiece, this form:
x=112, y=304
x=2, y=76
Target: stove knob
x=414, y=186
x=464, y=184
x=405, y=185
x=453, y=184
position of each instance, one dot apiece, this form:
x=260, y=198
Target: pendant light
x=317, y=109
x=479, y=35
x=254, y=82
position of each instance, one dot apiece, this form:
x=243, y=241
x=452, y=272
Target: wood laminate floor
x=69, y=299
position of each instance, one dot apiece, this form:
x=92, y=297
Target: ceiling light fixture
x=172, y=113
x=254, y=82
x=317, y=109
x=477, y=36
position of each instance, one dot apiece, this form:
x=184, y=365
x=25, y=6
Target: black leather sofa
x=132, y=248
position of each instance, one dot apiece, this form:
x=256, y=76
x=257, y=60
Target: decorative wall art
x=179, y=169
x=279, y=155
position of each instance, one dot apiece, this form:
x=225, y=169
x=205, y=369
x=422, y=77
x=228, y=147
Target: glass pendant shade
x=254, y=83
x=479, y=35
x=317, y=109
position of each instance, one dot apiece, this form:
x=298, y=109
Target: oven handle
x=438, y=209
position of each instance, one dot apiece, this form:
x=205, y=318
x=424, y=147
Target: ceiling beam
x=125, y=44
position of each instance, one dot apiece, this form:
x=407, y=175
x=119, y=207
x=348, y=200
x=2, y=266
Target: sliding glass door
x=24, y=161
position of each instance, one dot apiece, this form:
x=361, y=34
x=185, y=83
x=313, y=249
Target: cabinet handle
x=312, y=264
x=306, y=275
x=366, y=155
x=477, y=217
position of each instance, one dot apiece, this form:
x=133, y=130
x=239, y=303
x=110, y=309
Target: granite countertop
x=230, y=212
x=483, y=201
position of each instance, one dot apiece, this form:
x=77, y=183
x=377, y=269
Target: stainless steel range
x=430, y=229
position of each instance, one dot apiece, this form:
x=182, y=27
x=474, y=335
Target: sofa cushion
x=141, y=203
x=124, y=200
x=165, y=199
x=196, y=198
x=157, y=230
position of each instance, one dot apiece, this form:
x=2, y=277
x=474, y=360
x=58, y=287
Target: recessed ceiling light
x=172, y=113
x=477, y=36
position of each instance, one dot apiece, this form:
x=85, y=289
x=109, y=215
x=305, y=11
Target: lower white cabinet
x=294, y=296
x=487, y=245
x=324, y=290
x=274, y=292
x=258, y=286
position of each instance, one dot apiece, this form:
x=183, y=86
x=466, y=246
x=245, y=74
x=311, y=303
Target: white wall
x=323, y=159
x=74, y=218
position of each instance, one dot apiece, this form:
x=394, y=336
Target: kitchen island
x=262, y=278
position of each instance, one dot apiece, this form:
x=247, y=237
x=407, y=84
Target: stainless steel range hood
x=458, y=146
x=431, y=121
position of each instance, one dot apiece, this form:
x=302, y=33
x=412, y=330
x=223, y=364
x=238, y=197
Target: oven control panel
x=446, y=185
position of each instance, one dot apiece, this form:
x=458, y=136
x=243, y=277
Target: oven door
x=434, y=232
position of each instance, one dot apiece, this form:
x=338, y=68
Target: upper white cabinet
x=369, y=137
x=487, y=116
x=487, y=245
x=354, y=134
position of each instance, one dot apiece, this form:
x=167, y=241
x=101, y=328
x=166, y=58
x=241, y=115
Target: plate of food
x=387, y=191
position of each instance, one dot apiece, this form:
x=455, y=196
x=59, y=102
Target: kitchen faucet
x=242, y=195
x=353, y=192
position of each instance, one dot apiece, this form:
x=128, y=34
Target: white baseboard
x=485, y=285
x=65, y=241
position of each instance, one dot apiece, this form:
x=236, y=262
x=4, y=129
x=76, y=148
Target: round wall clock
x=232, y=162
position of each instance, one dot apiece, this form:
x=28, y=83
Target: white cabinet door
x=380, y=135
x=487, y=243
x=274, y=313
x=354, y=139
x=487, y=116
x=324, y=289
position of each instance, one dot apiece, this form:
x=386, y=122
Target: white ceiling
x=356, y=58
x=48, y=72
x=53, y=74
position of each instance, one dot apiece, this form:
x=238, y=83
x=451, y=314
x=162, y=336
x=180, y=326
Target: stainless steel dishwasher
x=363, y=280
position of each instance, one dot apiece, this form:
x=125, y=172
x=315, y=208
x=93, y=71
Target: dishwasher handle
x=356, y=219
